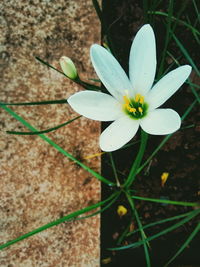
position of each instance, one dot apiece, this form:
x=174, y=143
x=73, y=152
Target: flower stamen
x=126, y=100
x=140, y=110
x=135, y=107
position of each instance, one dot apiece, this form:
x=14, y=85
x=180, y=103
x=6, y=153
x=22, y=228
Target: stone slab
x=38, y=184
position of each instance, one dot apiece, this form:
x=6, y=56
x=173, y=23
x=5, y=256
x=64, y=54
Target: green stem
x=77, y=80
x=136, y=164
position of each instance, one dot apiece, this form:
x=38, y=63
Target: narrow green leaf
x=44, y=131
x=61, y=150
x=186, y=54
x=185, y=244
x=161, y=222
x=165, y=139
x=167, y=36
x=114, y=169
x=60, y=101
x=189, y=26
x=167, y=230
x=102, y=209
x=56, y=222
x=181, y=203
x=143, y=235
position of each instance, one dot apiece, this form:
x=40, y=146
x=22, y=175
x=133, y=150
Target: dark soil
x=179, y=156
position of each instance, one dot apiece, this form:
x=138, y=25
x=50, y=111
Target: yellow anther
x=126, y=100
x=164, y=178
x=140, y=110
x=133, y=110
x=142, y=100
x=137, y=97
x=121, y=210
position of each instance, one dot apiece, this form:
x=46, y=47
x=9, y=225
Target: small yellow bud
x=121, y=210
x=68, y=67
x=164, y=178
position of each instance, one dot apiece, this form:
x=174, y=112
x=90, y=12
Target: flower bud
x=68, y=67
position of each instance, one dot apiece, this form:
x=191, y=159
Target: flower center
x=136, y=108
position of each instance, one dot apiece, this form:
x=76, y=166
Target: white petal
x=161, y=121
x=167, y=86
x=142, y=61
x=109, y=71
x=96, y=105
x=118, y=133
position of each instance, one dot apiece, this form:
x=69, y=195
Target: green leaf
x=142, y=233
x=61, y=150
x=60, y=101
x=186, y=54
x=44, y=131
x=185, y=244
x=58, y=221
x=189, y=26
x=181, y=203
x=165, y=139
x=161, y=222
x=165, y=231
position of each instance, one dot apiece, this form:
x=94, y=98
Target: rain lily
x=132, y=101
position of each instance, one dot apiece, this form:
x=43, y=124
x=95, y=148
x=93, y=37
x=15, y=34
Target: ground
x=179, y=156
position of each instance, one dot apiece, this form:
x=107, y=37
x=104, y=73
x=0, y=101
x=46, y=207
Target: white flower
x=133, y=101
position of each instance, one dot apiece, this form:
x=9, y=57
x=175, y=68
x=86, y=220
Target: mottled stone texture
x=38, y=184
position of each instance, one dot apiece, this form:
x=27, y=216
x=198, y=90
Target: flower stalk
x=136, y=163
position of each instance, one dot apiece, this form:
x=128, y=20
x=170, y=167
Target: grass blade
x=114, y=169
x=44, y=131
x=185, y=244
x=165, y=231
x=189, y=109
x=143, y=235
x=161, y=222
x=61, y=150
x=186, y=54
x=56, y=222
x=167, y=38
x=181, y=203
x=61, y=101
x=189, y=26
